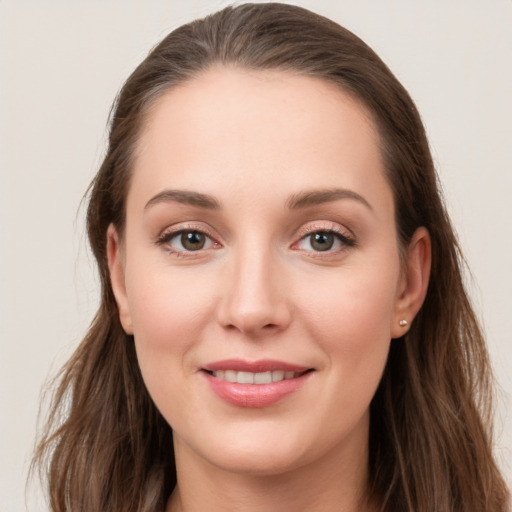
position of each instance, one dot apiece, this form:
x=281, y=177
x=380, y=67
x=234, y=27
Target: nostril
x=250, y=315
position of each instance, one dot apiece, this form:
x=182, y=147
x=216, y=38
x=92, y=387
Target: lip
x=263, y=365
x=255, y=395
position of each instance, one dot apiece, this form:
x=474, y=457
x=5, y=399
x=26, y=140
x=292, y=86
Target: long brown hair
x=106, y=447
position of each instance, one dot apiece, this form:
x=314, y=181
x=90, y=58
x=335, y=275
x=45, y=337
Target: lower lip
x=255, y=395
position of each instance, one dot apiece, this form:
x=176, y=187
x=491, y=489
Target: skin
x=259, y=289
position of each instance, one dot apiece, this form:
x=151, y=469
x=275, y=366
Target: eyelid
x=344, y=234
x=317, y=226
x=171, y=232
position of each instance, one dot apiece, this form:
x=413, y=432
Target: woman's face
x=260, y=248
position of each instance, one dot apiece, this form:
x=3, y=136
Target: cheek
x=350, y=318
x=352, y=303
x=167, y=305
x=169, y=311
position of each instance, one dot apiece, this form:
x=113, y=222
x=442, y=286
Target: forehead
x=257, y=130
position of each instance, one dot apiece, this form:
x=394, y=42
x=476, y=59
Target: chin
x=259, y=453
x=264, y=463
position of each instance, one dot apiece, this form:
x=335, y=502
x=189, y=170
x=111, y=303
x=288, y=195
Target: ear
x=116, y=269
x=413, y=284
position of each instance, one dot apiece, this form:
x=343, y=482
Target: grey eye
x=322, y=241
x=328, y=240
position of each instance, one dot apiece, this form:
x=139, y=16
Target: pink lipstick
x=255, y=384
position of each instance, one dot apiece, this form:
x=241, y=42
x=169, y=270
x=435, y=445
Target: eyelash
x=165, y=237
x=346, y=240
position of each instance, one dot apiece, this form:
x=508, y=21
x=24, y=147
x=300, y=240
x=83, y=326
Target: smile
x=255, y=378
x=255, y=384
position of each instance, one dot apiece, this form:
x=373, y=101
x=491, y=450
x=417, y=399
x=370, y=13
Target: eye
x=186, y=240
x=190, y=240
x=322, y=241
x=327, y=240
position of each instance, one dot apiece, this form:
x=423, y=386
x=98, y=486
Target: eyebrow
x=316, y=197
x=296, y=201
x=184, y=197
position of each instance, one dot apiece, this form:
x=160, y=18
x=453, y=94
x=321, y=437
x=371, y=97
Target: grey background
x=61, y=64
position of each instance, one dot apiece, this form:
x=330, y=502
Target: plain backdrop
x=61, y=64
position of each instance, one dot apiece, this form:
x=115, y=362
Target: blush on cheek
x=165, y=306
x=351, y=321
x=347, y=306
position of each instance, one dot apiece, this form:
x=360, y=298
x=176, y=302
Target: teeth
x=245, y=378
x=277, y=375
x=230, y=375
x=263, y=378
x=254, y=378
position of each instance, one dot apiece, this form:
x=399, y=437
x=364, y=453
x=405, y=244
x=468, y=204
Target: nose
x=254, y=301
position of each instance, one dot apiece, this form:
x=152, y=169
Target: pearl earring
x=404, y=323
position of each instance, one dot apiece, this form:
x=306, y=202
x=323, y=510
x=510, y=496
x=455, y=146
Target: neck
x=335, y=483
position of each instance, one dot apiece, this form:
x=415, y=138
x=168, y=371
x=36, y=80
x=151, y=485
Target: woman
x=283, y=323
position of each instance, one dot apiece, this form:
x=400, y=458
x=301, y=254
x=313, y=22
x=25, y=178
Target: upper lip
x=262, y=365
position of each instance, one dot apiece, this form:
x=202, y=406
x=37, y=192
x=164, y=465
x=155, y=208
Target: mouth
x=244, y=377
x=255, y=384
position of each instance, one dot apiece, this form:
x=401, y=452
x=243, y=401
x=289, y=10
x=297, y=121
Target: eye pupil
x=193, y=240
x=322, y=241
